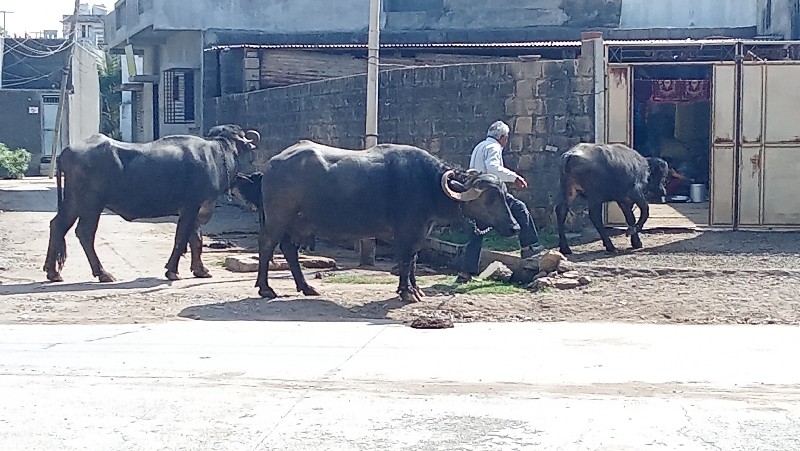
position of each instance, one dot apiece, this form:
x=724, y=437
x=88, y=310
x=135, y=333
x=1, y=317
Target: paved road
x=365, y=386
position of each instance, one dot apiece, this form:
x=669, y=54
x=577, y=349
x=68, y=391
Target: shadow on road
x=294, y=309
x=739, y=244
x=49, y=287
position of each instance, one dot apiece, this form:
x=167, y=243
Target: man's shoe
x=531, y=251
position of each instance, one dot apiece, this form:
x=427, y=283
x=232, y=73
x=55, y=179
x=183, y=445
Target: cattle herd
x=310, y=190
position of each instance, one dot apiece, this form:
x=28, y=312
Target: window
x=179, y=96
x=413, y=5
x=145, y=5
x=119, y=15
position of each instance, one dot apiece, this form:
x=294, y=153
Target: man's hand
x=520, y=183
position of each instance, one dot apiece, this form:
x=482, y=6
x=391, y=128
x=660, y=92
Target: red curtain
x=673, y=91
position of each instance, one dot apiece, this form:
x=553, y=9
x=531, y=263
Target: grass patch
x=479, y=286
x=548, y=237
x=444, y=284
x=355, y=279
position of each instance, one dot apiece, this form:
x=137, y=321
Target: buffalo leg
x=644, y=209
x=86, y=231
x=405, y=289
x=561, y=217
x=266, y=250
x=412, y=279
x=187, y=226
x=196, y=246
x=596, y=215
x=630, y=219
x=289, y=250
x=57, y=247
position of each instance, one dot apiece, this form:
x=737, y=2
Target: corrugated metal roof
x=531, y=44
x=534, y=44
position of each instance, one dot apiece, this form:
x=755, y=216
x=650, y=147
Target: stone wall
x=446, y=110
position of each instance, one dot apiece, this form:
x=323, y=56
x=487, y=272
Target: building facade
x=30, y=81
x=170, y=36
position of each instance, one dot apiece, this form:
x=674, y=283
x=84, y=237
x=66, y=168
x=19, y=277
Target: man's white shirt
x=487, y=157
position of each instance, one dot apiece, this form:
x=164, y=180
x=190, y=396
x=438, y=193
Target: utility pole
x=62, y=97
x=4, y=13
x=367, y=245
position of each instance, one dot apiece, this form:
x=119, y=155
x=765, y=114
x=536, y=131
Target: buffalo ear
x=456, y=186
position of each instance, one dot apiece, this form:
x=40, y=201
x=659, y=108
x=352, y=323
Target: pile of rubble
x=555, y=271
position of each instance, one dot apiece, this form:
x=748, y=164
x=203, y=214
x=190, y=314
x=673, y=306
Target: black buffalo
x=390, y=191
x=248, y=188
x=609, y=173
x=175, y=175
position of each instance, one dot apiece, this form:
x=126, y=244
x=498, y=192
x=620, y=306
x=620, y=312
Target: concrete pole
x=367, y=246
x=62, y=97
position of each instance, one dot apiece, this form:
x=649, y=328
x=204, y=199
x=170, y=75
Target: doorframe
x=630, y=127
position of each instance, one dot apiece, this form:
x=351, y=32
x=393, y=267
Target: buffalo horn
x=253, y=136
x=467, y=196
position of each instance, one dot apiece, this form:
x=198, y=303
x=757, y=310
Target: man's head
x=499, y=131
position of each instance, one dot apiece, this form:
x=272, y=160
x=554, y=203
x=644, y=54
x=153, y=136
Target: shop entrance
x=671, y=116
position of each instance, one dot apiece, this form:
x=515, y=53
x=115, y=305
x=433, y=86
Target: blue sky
x=38, y=15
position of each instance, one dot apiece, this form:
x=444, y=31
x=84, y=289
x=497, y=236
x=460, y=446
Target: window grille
x=179, y=96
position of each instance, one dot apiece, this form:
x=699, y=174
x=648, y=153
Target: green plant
x=13, y=163
x=110, y=74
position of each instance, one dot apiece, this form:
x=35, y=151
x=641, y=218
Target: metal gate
x=619, y=122
x=49, y=113
x=763, y=193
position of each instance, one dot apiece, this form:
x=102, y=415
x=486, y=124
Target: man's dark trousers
x=527, y=235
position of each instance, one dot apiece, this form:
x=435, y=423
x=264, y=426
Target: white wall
x=183, y=50
x=84, y=104
x=126, y=108
x=276, y=16
x=642, y=14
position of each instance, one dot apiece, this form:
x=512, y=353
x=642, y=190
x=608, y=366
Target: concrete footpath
x=189, y=385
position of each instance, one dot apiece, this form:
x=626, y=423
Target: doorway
x=671, y=119
x=49, y=116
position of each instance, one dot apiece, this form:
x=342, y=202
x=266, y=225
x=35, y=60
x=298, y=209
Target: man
x=487, y=157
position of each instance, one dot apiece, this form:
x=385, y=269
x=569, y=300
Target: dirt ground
x=694, y=278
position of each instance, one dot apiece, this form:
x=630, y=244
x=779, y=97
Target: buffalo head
x=657, y=181
x=245, y=140
x=483, y=198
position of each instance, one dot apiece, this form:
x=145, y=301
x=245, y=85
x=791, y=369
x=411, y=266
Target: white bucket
x=697, y=192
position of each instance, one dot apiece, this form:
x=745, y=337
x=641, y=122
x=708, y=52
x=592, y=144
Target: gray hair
x=498, y=130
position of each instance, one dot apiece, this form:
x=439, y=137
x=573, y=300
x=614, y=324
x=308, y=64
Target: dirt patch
x=691, y=278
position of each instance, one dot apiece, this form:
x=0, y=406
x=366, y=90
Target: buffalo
x=604, y=173
x=390, y=191
x=175, y=175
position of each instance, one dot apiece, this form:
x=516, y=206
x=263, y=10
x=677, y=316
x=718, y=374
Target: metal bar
x=737, y=133
x=368, y=246
x=62, y=97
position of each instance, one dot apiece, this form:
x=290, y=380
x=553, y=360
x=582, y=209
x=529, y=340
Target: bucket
x=697, y=192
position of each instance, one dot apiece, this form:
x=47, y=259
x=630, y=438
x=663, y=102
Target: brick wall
x=446, y=110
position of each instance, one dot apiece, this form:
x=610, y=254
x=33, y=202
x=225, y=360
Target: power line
x=4, y=13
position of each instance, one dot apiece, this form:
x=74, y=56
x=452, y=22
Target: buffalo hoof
x=565, y=251
x=308, y=290
x=409, y=296
x=106, y=278
x=202, y=274
x=267, y=293
x=636, y=242
x=612, y=251
x=418, y=291
x=54, y=277
x=172, y=276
